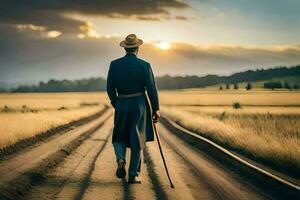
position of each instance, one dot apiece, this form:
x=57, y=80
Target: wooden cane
x=163, y=158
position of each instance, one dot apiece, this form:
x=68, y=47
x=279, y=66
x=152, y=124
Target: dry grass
x=267, y=127
x=227, y=98
x=26, y=115
x=246, y=110
x=272, y=138
x=19, y=126
x=51, y=100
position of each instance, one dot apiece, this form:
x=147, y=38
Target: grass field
x=26, y=115
x=266, y=127
x=50, y=100
x=207, y=97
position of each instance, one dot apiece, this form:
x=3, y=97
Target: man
x=128, y=79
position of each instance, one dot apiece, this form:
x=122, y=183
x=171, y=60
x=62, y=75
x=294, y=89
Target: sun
x=163, y=45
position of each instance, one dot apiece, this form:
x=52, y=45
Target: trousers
x=135, y=157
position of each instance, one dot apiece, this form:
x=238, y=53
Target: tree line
x=236, y=86
x=83, y=85
x=268, y=85
x=167, y=82
x=180, y=82
x=277, y=85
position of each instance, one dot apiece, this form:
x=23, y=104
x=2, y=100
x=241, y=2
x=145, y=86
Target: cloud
x=54, y=14
x=23, y=57
x=242, y=54
x=88, y=31
x=185, y=58
x=40, y=29
x=179, y=17
x=30, y=27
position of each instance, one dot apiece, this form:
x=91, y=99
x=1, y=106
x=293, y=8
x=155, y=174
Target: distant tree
x=236, y=86
x=221, y=87
x=227, y=86
x=236, y=105
x=272, y=85
x=296, y=86
x=287, y=85
x=83, y=85
x=248, y=86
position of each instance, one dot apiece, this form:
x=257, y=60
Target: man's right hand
x=156, y=116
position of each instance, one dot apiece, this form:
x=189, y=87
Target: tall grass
x=51, y=100
x=274, y=139
x=246, y=110
x=227, y=98
x=16, y=126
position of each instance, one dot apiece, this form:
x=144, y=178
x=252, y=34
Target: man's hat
x=131, y=41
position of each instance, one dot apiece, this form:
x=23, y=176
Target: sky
x=73, y=39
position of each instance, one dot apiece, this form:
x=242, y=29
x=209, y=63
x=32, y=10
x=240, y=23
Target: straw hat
x=131, y=41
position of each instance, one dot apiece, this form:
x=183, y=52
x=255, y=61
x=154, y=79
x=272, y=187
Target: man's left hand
x=156, y=116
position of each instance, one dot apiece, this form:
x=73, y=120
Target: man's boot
x=121, y=172
x=134, y=180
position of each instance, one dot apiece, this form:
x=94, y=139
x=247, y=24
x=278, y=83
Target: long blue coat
x=133, y=122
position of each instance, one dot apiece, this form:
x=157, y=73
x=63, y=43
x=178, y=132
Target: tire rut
x=78, y=166
x=25, y=178
x=104, y=185
x=220, y=182
x=86, y=181
x=157, y=187
x=27, y=144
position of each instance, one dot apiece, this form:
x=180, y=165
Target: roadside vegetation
x=273, y=139
x=267, y=129
x=50, y=100
x=24, y=116
x=214, y=97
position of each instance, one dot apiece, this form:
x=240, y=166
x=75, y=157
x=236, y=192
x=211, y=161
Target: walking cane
x=162, y=155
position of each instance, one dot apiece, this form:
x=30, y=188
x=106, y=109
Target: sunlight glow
x=53, y=34
x=163, y=45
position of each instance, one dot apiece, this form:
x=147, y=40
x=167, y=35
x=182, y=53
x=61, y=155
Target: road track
x=88, y=172
x=20, y=171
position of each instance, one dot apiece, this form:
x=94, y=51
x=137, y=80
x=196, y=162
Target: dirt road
x=89, y=172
